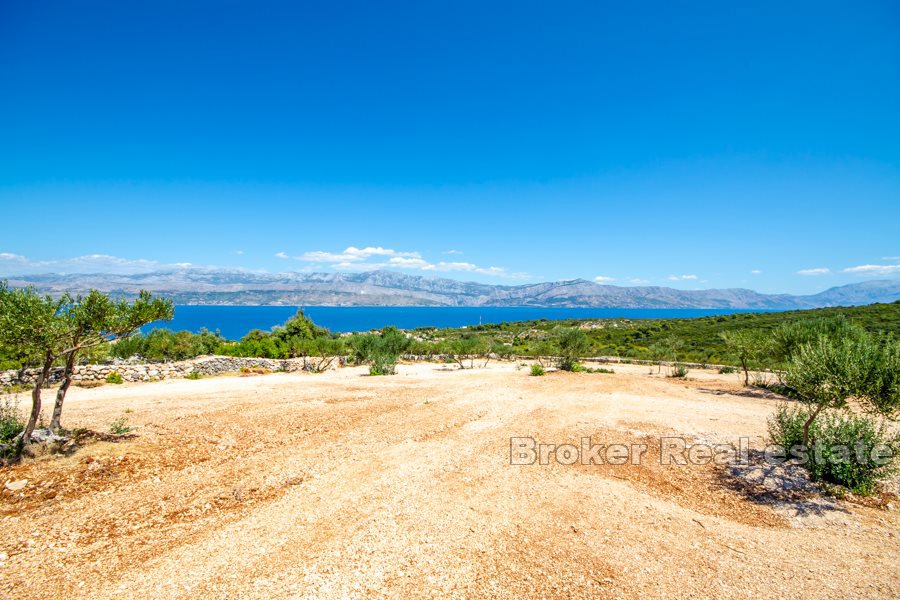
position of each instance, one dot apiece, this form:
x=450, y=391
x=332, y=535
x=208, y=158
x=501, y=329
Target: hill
x=387, y=288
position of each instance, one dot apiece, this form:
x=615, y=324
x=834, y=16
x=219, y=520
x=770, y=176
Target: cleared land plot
x=343, y=484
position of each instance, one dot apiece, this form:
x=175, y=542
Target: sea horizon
x=234, y=321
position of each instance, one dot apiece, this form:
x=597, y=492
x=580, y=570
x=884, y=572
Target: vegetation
x=679, y=371
x=573, y=344
x=114, y=377
x=11, y=423
x=537, y=370
x=41, y=330
x=119, y=426
x=849, y=449
x=748, y=346
x=380, y=351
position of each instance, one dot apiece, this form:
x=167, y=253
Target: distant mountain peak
x=392, y=288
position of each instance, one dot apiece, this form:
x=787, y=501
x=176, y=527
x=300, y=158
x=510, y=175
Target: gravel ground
x=340, y=484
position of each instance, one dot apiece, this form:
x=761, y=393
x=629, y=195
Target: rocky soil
x=341, y=484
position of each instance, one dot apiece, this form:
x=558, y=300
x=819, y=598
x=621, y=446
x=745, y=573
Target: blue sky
x=686, y=144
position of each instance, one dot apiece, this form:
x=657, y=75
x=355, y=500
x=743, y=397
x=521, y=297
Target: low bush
x=193, y=375
x=114, y=377
x=11, y=422
x=678, y=371
x=846, y=448
x=537, y=370
x=727, y=370
x=119, y=426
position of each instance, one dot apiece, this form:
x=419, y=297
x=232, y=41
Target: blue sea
x=233, y=322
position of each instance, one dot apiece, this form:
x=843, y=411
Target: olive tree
x=469, y=347
x=828, y=372
x=747, y=346
x=48, y=329
x=31, y=324
x=381, y=351
x=97, y=319
x=573, y=344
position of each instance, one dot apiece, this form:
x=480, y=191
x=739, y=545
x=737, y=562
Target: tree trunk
x=61, y=393
x=808, y=423
x=746, y=372
x=42, y=376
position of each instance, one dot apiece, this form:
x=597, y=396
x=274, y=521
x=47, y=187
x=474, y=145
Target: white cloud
x=16, y=264
x=410, y=263
x=682, y=278
x=892, y=258
x=755, y=272
x=638, y=281
x=352, y=254
x=281, y=255
x=356, y=259
x=603, y=279
x=874, y=270
x=814, y=272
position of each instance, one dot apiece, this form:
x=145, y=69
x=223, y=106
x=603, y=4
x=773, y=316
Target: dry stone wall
x=204, y=365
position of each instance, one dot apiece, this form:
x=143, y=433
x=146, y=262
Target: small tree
x=49, y=330
x=469, y=348
x=666, y=349
x=320, y=353
x=380, y=351
x=31, y=324
x=827, y=372
x=747, y=346
x=573, y=344
x=96, y=319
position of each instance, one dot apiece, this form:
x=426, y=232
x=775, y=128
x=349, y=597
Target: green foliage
x=193, y=375
x=678, y=370
x=11, y=422
x=162, y=345
x=119, y=426
x=114, y=377
x=748, y=346
x=537, y=370
x=847, y=449
x=727, y=370
x=31, y=326
x=573, y=344
x=380, y=351
x=685, y=340
x=468, y=347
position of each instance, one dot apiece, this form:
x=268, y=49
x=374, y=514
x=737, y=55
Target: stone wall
x=204, y=365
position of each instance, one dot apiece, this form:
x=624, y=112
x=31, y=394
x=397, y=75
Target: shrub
x=573, y=344
x=11, y=422
x=727, y=370
x=114, y=377
x=678, y=371
x=380, y=351
x=600, y=370
x=537, y=370
x=193, y=375
x=119, y=426
x=842, y=446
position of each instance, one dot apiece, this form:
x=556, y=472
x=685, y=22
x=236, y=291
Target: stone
x=41, y=436
x=15, y=486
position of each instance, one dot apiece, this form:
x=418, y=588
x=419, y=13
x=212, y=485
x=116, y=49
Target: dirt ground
x=340, y=484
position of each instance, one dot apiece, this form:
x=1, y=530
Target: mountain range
x=388, y=288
